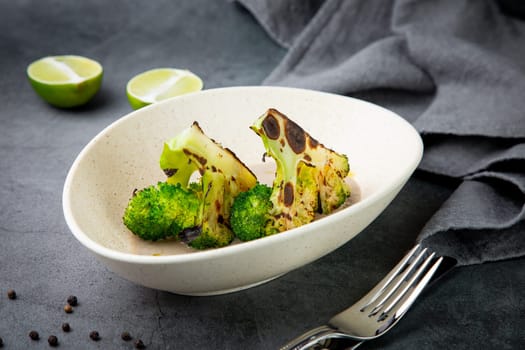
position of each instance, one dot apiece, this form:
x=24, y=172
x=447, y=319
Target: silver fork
x=380, y=309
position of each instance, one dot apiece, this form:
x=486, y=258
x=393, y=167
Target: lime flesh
x=65, y=81
x=159, y=84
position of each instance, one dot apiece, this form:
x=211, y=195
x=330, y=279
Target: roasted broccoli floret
x=162, y=211
x=223, y=177
x=310, y=177
x=250, y=213
x=203, y=211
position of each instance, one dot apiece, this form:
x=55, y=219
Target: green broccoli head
x=223, y=177
x=309, y=177
x=162, y=211
x=250, y=214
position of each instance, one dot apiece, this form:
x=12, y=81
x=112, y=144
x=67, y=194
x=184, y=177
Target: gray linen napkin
x=462, y=63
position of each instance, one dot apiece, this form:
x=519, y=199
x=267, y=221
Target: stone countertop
x=480, y=306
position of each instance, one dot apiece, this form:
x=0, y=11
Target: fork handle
x=309, y=338
x=329, y=337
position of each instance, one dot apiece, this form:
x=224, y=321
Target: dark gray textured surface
x=481, y=306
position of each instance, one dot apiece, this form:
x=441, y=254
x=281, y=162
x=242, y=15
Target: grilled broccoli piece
x=223, y=177
x=250, y=213
x=162, y=211
x=310, y=178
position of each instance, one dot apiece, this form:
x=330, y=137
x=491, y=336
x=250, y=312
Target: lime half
x=159, y=84
x=65, y=81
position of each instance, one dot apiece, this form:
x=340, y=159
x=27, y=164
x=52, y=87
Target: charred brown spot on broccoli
x=313, y=142
x=169, y=172
x=199, y=159
x=288, y=194
x=295, y=136
x=271, y=128
x=310, y=178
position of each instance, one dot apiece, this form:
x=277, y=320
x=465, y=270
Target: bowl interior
x=382, y=148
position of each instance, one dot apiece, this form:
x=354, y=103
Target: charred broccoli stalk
x=162, y=211
x=223, y=177
x=310, y=178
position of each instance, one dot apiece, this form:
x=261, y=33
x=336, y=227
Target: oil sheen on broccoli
x=309, y=179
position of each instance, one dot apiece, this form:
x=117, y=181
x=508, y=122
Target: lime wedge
x=159, y=84
x=65, y=81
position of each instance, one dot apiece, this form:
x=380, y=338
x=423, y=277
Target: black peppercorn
x=34, y=335
x=11, y=294
x=68, y=309
x=66, y=327
x=139, y=344
x=52, y=340
x=94, y=336
x=125, y=336
x=72, y=300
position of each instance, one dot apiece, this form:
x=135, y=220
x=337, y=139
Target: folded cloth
x=463, y=63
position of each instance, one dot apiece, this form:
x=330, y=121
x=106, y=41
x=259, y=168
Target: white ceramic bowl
x=383, y=151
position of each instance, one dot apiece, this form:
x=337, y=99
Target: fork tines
x=402, y=285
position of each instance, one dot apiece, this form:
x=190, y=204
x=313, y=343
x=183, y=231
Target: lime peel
x=65, y=81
